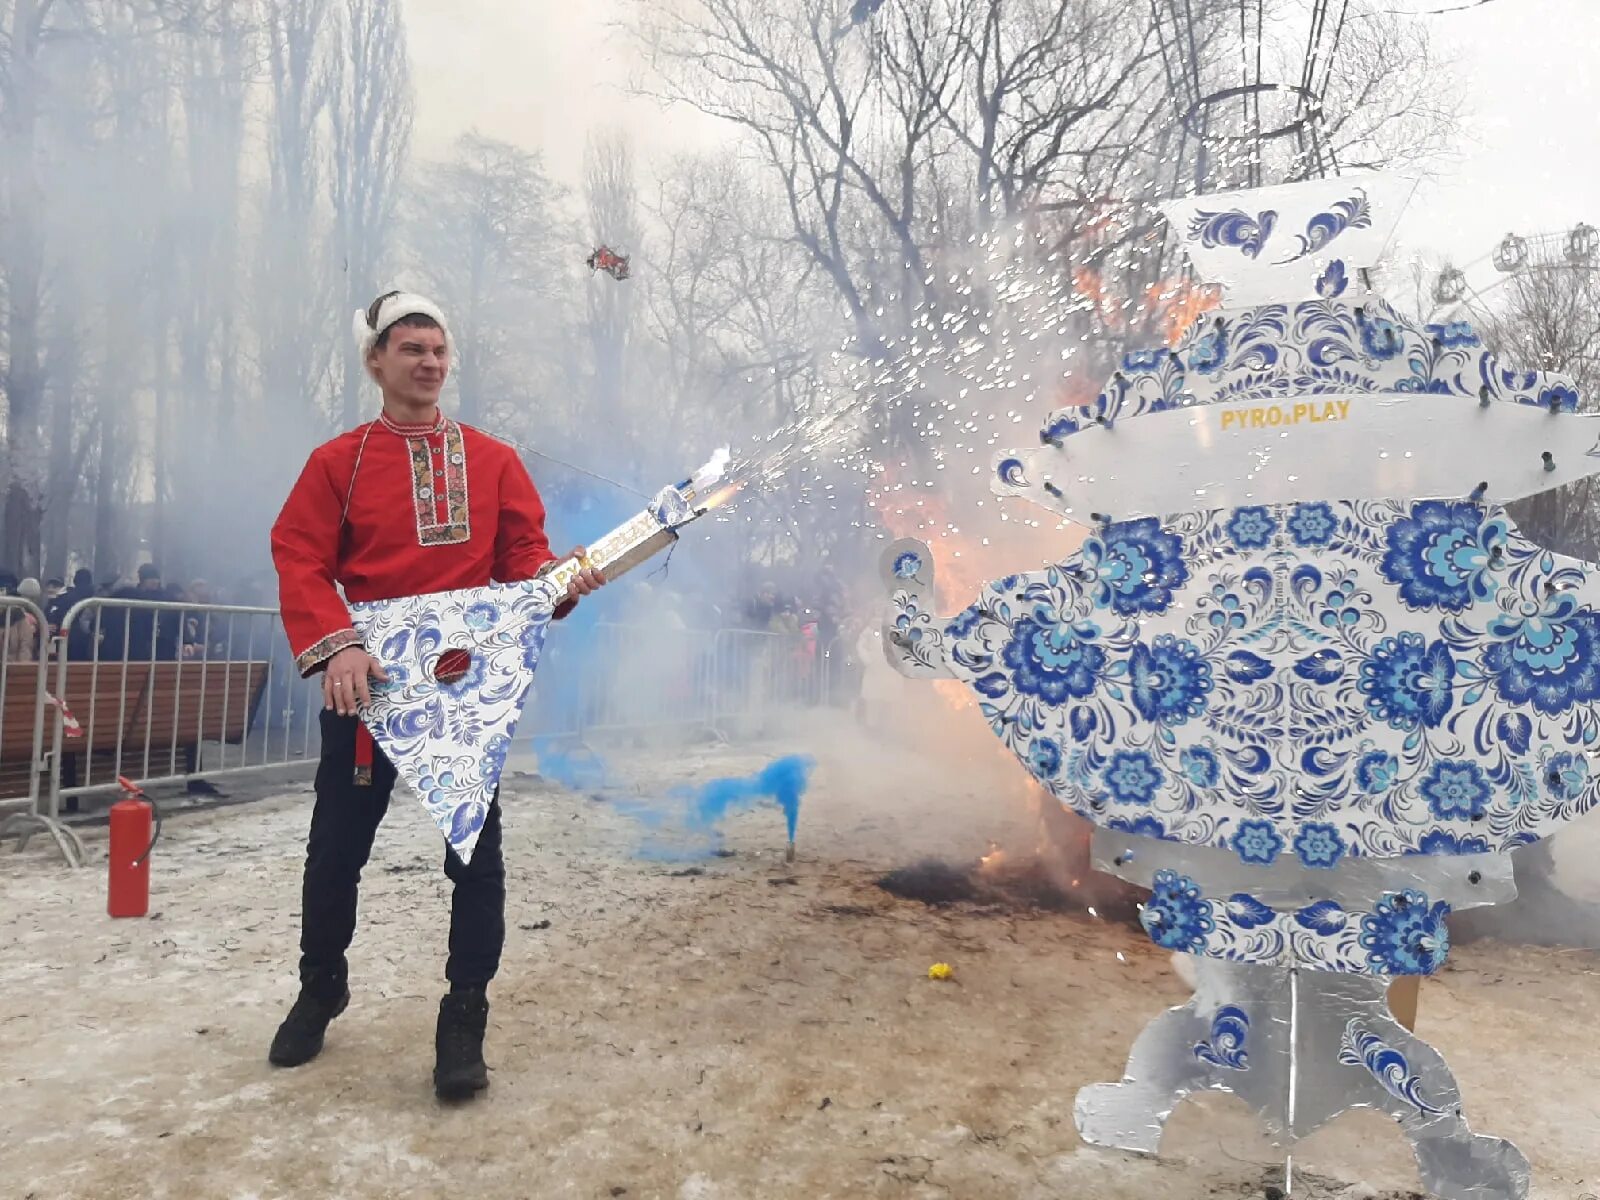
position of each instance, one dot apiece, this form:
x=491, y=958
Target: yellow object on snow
x=940, y=971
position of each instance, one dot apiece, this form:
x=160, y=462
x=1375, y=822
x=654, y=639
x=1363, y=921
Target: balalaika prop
x=1304, y=675
x=448, y=739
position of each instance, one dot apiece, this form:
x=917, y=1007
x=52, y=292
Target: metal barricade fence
x=24, y=640
x=622, y=680
x=24, y=668
x=760, y=675
x=163, y=691
x=629, y=680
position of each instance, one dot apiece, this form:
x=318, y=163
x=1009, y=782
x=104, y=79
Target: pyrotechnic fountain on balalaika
x=448, y=738
x=1304, y=676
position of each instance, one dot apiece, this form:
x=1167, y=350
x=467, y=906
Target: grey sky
x=1530, y=154
x=540, y=73
x=543, y=73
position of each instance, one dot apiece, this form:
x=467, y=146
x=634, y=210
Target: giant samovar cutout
x=1304, y=676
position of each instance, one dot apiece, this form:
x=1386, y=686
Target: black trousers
x=343, y=824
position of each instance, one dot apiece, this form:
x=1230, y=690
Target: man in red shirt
x=408, y=504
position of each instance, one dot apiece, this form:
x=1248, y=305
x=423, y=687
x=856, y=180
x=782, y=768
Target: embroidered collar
x=416, y=429
x=438, y=478
x=439, y=487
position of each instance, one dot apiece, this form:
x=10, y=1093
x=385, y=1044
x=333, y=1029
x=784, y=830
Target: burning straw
x=1054, y=876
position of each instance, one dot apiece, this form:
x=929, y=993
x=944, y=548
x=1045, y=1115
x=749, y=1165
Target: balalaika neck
x=618, y=552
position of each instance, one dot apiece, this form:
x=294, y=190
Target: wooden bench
x=18, y=698
x=167, y=707
x=189, y=702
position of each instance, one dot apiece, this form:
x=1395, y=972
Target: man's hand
x=344, y=681
x=589, y=579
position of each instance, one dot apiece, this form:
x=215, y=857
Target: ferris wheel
x=1468, y=292
x=1235, y=96
x=1251, y=78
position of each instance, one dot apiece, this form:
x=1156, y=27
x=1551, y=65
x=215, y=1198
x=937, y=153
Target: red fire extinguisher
x=132, y=839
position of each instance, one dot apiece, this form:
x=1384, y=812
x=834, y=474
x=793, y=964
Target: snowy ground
x=757, y=1030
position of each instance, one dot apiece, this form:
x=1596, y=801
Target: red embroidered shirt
x=391, y=510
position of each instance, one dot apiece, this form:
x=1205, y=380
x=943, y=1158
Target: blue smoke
x=582, y=675
x=577, y=512
x=683, y=826
x=579, y=769
x=784, y=780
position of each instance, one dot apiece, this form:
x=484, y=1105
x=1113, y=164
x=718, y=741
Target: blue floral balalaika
x=450, y=740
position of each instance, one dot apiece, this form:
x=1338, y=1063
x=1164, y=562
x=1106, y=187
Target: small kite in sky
x=608, y=260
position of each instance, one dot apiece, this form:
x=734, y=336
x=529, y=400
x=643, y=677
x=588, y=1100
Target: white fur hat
x=402, y=304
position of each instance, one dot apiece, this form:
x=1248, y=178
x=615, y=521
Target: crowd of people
x=113, y=632
x=824, y=611
x=823, y=622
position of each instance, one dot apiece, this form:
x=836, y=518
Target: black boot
x=459, y=1071
x=299, y=1038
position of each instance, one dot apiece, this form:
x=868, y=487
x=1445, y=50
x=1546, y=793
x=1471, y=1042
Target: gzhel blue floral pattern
x=449, y=741
x=1311, y=683
x=1177, y=917
x=1230, y=1030
x=1363, y=1048
x=1258, y=842
x=1234, y=228
x=1050, y=661
x=907, y=565
x=1333, y=684
x=1406, y=935
x=1332, y=344
x=1356, y=678
x=1408, y=682
x=1351, y=213
x=1136, y=565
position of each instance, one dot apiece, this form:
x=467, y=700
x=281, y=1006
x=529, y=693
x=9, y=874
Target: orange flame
x=1173, y=304
x=959, y=574
x=721, y=496
x=1176, y=305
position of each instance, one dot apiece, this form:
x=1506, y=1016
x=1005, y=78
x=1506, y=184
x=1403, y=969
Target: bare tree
x=729, y=302
x=22, y=255
x=739, y=327
x=69, y=115
x=371, y=110
x=151, y=192
x=898, y=133
x=204, y=491
x=612, y=199
x=296, y=289
x=898, y=130
x=1389, y=99
x=484, y=231
x=1549, y=320
x=895, y=131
